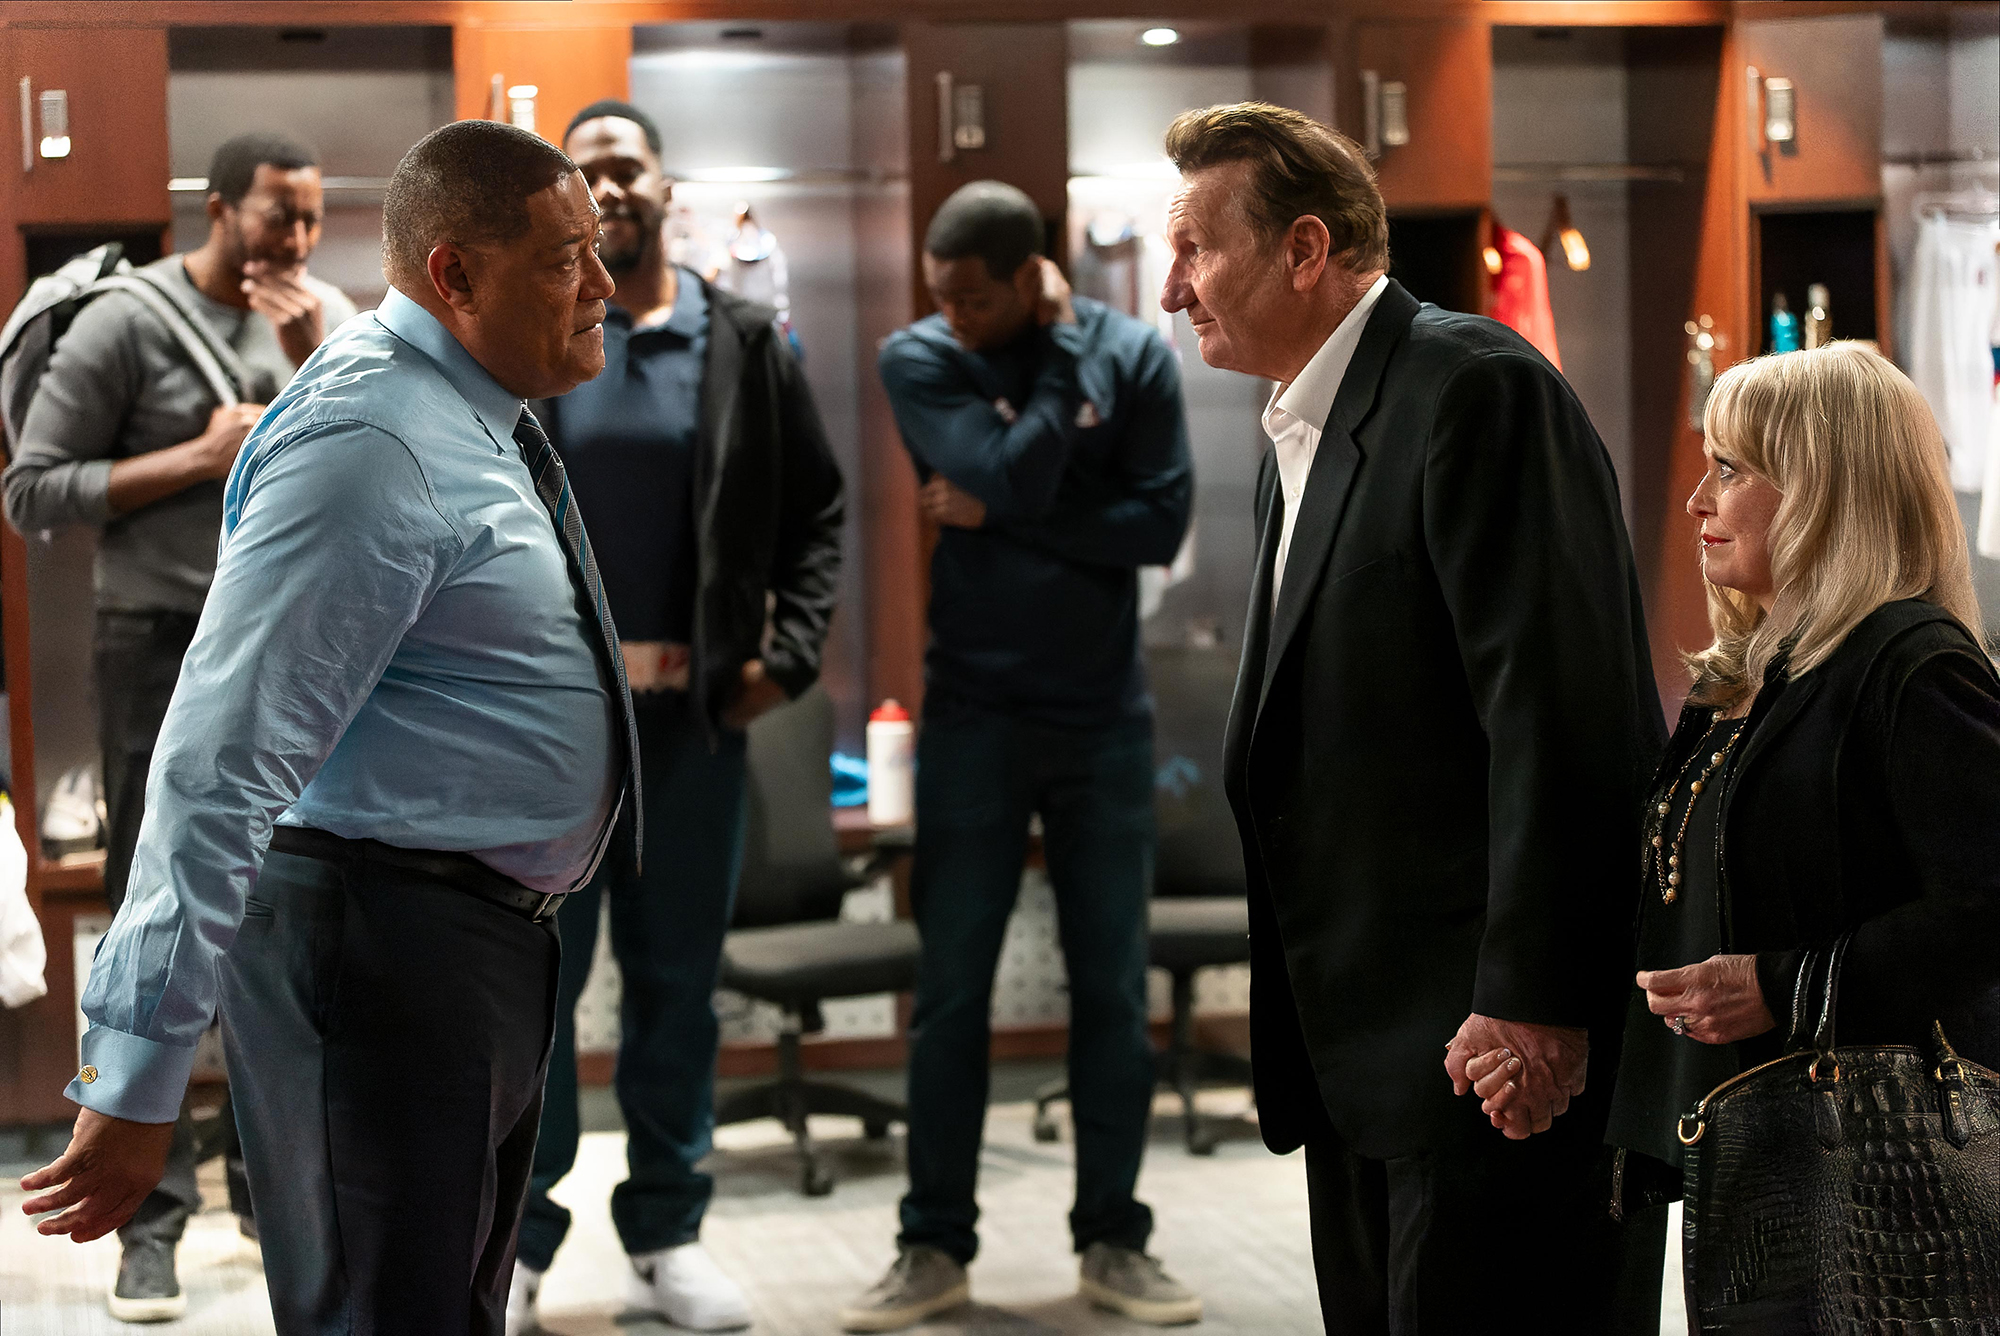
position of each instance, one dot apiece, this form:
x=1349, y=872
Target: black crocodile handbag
x=1844, y=1190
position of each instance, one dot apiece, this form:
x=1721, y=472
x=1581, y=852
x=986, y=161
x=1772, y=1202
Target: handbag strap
x=1816, y=995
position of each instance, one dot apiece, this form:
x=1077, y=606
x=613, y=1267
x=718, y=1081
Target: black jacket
x=768, y=510
x=1441, y=739
x=1867, y=797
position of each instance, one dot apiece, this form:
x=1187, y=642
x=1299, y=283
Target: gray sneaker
x=922, y=1282
x=1136, y=1285
x=147, y=1289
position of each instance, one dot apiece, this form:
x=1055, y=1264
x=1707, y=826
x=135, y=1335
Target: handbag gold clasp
x=1812, y=1072
x=1700, y=1126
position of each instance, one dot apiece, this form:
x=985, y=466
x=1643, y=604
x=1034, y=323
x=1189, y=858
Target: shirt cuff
x=124, y=1076
x=92, y=490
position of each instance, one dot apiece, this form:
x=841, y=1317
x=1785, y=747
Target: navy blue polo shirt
x=630, y=439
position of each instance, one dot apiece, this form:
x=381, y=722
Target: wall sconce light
x=961, y=116
x=521, y=106
x=1564, y=231
x=1385, y=113
x=1160, y=36
x=1773, y=113
x=1781, y=107
x=53, y=142
x=55, y=124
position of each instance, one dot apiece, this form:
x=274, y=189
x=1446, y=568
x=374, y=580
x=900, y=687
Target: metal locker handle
x=1371, y=113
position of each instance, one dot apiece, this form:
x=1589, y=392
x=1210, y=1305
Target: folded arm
x=1137, y=515
x=1012, y=458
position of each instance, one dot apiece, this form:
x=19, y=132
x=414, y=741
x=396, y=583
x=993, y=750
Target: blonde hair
x=1867, y=515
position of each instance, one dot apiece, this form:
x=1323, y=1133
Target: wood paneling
x=1688, y=247
x=570, y=67
x=1447, y=68
x=1835, y=65
x=116, y=171
x=1023, y=69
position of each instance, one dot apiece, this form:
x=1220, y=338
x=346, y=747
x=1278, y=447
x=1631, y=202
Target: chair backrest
x=792, y=871
x=1200, y=850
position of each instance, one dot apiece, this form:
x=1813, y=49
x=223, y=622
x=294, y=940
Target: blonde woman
x=1837, y=767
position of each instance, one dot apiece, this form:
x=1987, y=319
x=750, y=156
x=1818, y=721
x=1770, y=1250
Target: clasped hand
x=1525, y=1075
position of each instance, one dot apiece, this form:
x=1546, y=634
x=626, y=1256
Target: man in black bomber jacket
x=1443, y=722
x=715, y=512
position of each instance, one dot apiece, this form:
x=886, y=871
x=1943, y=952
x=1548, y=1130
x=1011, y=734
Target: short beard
x=626, y=260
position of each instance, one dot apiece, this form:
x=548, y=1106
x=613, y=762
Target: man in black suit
x=1443, y=722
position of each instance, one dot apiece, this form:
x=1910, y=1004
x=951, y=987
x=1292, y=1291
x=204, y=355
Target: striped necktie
x=552, y=486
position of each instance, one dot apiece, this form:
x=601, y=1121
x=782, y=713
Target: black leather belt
x=461, y=872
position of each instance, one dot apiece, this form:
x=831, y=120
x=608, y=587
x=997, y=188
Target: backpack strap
x=218, y=363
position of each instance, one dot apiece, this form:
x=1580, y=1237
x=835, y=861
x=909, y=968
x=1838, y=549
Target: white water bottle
x=892, y=766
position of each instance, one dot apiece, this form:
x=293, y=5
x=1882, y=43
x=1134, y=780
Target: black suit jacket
x=1441, y=738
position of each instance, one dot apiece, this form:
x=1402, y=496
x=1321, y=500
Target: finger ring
x=1679, y=1025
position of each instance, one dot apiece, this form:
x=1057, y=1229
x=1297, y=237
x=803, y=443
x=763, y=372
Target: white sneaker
x=522, y=1292
x=70, y=822
x=686, y=1286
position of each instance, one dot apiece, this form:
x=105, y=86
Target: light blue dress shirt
x=392, y=650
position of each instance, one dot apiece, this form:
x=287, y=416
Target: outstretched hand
x=99, y=1182
x=1529, y=1073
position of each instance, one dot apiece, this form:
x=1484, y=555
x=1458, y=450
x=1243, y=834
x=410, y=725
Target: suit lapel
x=1256, y=623
x=1334, y=465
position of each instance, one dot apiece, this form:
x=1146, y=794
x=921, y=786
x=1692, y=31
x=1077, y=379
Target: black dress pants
x=387, y=1037
x=1481, y=1234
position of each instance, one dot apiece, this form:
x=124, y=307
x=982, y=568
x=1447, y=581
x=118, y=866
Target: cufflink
x=87, y=1075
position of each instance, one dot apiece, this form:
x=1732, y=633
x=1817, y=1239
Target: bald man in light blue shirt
x=405, y=687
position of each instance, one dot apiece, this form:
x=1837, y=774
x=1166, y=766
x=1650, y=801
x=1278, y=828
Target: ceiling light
x=1160, y=36
x=733, y=175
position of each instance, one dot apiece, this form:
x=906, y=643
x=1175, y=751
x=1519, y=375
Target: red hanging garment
x=1521, y=292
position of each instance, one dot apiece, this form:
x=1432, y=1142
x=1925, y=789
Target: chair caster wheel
x=1046, y=1129
x=875, y=1129
x=816, y=1182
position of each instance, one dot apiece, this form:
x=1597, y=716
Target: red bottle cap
x=889, y=712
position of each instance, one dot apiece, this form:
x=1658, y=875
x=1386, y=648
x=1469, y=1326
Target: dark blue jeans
x=979, y=778
x=667, y=925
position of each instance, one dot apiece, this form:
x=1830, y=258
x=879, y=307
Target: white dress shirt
x=1297, y=414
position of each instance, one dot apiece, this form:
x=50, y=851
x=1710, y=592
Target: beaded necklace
x=1667, y=858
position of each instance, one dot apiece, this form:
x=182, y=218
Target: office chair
x=787, y=945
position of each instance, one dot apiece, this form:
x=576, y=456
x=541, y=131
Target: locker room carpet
x=1233, y=1226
